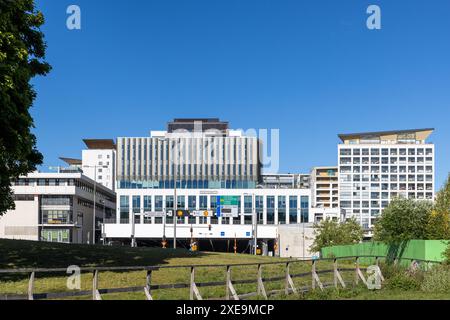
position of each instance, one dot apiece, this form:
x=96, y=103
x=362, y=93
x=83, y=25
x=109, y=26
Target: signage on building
x=154, y=214
x=227, y=206
x=202, y=213
x=229, y=211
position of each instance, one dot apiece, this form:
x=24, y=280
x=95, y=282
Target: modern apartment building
x=325, y=187
x=206, y=162
x=375, y=167
x=57, y=207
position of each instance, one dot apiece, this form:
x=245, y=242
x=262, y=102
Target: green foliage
x=447, y=255
x=439, y=223
x=437, y=279
x=332, y=233
x=403, y=220
x=405, y=280
x=22, y=51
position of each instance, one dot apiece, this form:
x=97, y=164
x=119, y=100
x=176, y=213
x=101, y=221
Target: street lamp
x=174, y=214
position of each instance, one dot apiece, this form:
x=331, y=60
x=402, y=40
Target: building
x=201, y=163
x=57, y=207
x=285, y=180
x=325, y=187
x=325, y=194
x=375, y=167
x=99, y=161
x=210, y=156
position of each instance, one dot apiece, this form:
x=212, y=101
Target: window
x=192, y=203
x=304, y=206
x=293, y=209
x=270, y=209
x=203, y=202
x=281, y=209
x=124, y=209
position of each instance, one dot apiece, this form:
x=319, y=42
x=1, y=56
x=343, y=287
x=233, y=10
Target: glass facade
x=188, y=184
x=270, y=209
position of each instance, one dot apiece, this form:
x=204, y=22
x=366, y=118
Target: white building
x=205, y=160
x=99, y=161
x=56, y=207
x=376, y=167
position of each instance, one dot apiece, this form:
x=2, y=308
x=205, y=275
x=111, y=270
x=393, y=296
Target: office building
x=57, y=207
x=376, y=167
x=207, y=162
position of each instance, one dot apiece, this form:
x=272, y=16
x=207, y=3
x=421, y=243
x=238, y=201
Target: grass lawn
x=26, y=254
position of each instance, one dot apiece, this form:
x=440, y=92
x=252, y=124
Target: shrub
x=404, y=281
x=437, y=279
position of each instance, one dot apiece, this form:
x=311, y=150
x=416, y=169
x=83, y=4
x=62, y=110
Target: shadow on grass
x=16, y=254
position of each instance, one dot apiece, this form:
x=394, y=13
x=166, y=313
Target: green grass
x=25, y=254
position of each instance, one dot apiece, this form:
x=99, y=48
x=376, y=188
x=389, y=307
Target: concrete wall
x=22, y=223
x=295, y=240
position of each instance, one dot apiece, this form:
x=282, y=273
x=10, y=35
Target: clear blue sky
x=309, y=68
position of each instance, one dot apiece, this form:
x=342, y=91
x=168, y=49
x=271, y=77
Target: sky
x=311, y=69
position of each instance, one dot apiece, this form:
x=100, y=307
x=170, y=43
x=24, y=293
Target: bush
x=403, y=281
x=447, y=255
x=437, y=279
x=400, y=278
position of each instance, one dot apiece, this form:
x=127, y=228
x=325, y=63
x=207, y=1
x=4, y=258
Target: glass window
x=281, y=209
x=124, y=209
x=304, y=205
x=270, y=209
x=192, y=203
x=136, y=204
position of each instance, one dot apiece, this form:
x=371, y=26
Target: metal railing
x=193, y=286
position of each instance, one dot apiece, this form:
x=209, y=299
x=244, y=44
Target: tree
x=439, y=222
x=332, y=233
x=403, y=220
x=22, y=51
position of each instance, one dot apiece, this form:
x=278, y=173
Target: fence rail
x=194, y=293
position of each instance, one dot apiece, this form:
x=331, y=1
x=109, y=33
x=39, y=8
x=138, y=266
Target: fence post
x=227, y=288
x=313, y=272
x=95, y=293
x=261, y=288
x=286, y=283
x=191, y=291
x=315, y=277
x=230, y=289
x=148, y=283
x=335, y=273
x=31, y=286
x=357, y=271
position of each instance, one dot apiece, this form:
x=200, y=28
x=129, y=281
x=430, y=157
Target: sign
x=202, y=213
x=230, y=211
x=229, y=201
x=227, y=206
x=154, y=214
x=247, y=234
x=222, y=234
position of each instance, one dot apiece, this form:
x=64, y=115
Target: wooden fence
x=194, y=293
